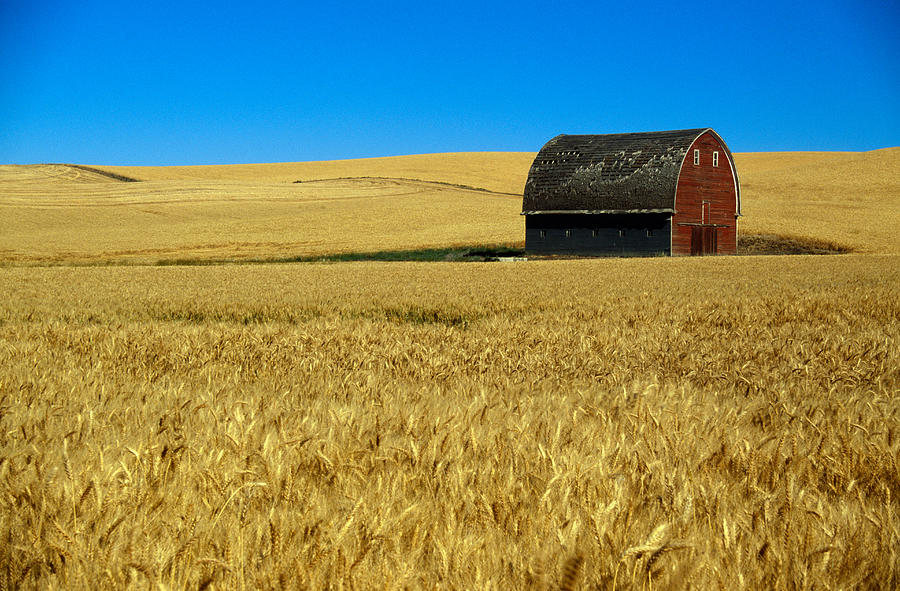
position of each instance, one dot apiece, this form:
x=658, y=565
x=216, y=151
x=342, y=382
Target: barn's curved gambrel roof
x=613, y=173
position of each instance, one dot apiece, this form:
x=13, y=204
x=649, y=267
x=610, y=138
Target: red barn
x=663, y=192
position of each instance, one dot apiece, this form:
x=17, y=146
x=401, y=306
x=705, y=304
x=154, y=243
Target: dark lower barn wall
x=647, y=234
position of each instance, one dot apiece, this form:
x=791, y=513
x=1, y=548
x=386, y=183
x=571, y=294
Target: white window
x=543, y=233
x=595, y=233
x=649, y=233
x=715, y=158
x=696, y=157
x=621, y=233
x=568, y=233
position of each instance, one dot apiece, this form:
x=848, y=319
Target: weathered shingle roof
x=619, y=172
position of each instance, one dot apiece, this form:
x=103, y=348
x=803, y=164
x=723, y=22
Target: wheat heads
x=657, y=543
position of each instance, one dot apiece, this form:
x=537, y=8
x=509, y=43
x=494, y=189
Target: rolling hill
x=60, y=214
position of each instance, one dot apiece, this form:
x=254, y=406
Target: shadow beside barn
x=763, y=244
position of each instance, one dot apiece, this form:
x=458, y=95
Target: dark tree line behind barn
x=654, y=193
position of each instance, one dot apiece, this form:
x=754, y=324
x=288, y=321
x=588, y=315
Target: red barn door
x=704, y=240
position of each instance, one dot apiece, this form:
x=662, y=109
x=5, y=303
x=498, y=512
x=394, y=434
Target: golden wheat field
x=702, y=423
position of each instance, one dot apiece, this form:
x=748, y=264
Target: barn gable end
x=707, y=196
x=632, y=194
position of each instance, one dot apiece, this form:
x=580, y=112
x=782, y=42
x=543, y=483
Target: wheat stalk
x=571, y=572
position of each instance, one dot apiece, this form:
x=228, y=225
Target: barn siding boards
x=715, y=185
x=631, y=174
x=598, y=234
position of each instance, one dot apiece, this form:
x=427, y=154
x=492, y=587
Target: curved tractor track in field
x=32, y=174
x=104, y=173
x=406, y=180
x=31, y=190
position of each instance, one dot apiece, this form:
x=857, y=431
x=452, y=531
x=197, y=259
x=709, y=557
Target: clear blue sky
x=182, y=82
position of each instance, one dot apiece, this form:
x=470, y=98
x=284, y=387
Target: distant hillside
x=57, y=213
x=503, y=172
x=47, y=174
x=852, y=198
